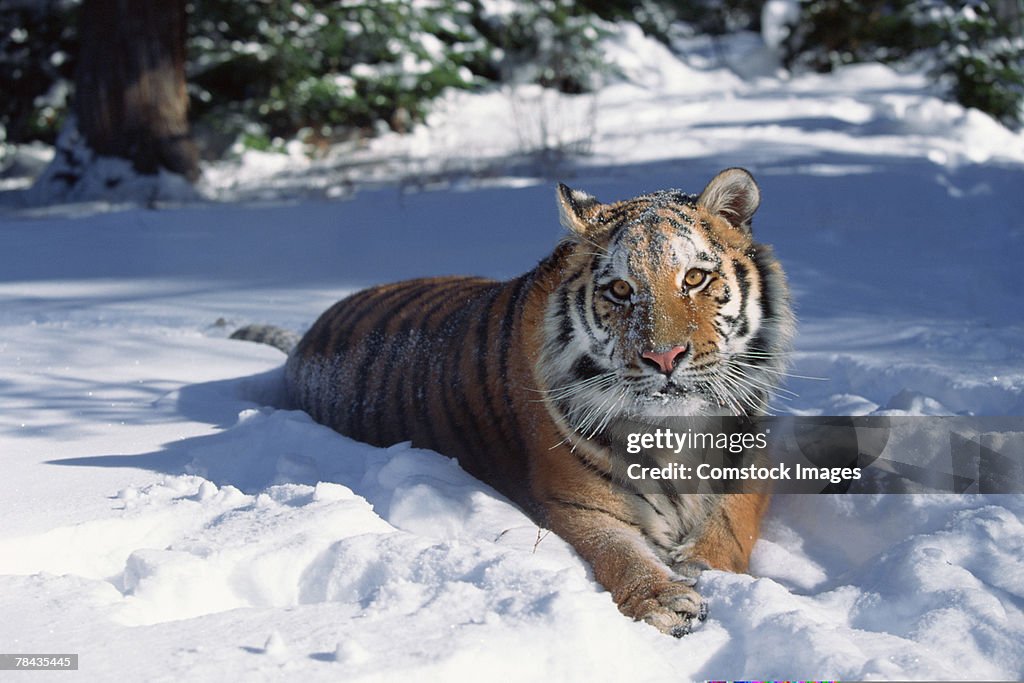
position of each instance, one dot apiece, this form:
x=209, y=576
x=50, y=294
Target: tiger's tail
x=278, y=337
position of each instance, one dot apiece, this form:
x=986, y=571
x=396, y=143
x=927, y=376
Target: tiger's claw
x=673, y=608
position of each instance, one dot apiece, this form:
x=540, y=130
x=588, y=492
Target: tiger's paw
x=688, y=570
x=673, y=607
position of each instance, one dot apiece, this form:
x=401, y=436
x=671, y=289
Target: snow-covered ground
x=162, y=519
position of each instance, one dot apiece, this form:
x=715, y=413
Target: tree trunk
x=130, y=98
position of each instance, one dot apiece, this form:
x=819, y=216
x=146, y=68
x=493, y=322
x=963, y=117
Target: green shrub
x=259, y=70
x=974, y=47
x=37, y=44
x=550, y=42
x=325, y=66
x=981, y=52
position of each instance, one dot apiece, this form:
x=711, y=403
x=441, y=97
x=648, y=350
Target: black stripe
x=427, y=391
x=321, y=338
x=380, y=305
x=317, y=340
x=584, y=367
x=432, y=302
x=521, y=286
x=392, y=346
x=580, y=299
x=614, y=215
x=569, y=280
x=453, y=329
x=618, y=230
x=767, y=304
x=760, y=343
x=354, y=306
x=372, y=340
x=470, y=340
x=657, y=511
x=681, y=228
x=742, y=272
x=678, y=209
x=483, y=333
x=711, y=236
x=602, y=273
x=566, y=331
x=725, y=298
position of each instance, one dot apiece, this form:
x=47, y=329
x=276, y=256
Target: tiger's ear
x=733, y=195
x=576, y=209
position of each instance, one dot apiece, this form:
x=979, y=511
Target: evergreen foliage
x=713, y=17
x=285, y=65
x=261, y=70
x=980, y=47
x=270, y=69
x=975, y=47
x=37, y=44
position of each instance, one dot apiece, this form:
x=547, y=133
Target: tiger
x=661, y=304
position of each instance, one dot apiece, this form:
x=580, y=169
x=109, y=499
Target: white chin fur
x=677, y=406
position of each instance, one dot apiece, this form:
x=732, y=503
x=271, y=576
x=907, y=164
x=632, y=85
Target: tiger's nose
x=665, y=361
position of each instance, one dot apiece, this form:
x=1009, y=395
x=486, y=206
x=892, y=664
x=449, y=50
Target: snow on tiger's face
x=672, y=308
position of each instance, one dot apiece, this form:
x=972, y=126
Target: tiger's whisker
x=774, y=371
x=753, y=393
x=740, y=374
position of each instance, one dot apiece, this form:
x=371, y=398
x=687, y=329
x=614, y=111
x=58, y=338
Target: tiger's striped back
x=431, y=361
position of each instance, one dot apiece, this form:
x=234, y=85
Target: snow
x=165, y=518
x=777, y=18
x=78, y=174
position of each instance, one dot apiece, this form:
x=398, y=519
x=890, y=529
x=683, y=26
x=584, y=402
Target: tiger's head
x=666, y=306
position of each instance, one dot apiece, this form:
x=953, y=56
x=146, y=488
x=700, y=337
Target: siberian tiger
x=661, y=304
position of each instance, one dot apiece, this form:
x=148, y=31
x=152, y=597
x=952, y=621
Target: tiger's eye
x=695, y=277
x=620, y=289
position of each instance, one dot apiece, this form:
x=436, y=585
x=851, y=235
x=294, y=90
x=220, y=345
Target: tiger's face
x=668, y=307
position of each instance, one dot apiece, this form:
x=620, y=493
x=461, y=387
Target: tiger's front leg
x=725, y=539
x=642, y=586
